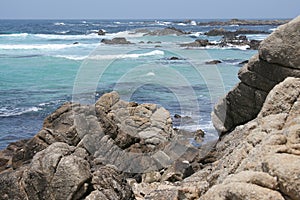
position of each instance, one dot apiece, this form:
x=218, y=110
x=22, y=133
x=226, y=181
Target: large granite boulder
x=87, y=151
x=278, y=58
x=261, y=156
x=258, y=160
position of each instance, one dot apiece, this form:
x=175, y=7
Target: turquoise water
x=41, y=68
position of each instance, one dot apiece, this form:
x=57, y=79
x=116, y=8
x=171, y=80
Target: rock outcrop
x=117, y=40
x=223, y=32
x=244, y=22
x=258, y=160
x=227, y=41
x=162, y=32
x=122, y=150
x=86, y=152
x=278, y=58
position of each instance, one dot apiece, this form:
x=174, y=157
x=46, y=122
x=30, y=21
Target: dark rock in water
x=167, y=31
x=254, y=44
x=117, y=40
x=76, y=43
x=218, y=32
x=101, y=32
x=275, y=62
x=177, y=116
x=197, y=43
x=213, y=62
x=244, y=62
x=141, y=42
x=232, y=34
x=174, y=58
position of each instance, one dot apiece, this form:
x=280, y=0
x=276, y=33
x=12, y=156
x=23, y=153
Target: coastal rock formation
x=258, y=160
x=162, y=32
x=122, y=150
x=244, y=22
x=222, y=31
x=117, y=40
x=82, y=150
x=278, y=58
x=226, y=41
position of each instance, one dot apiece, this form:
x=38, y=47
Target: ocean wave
x=126, y=56
x=59, y=24
x=196, y=34
x=71, y=57
x=7, y=112
x=163, y=23
x=37, y=46
x=257, y=37
x=67, y=37
x=230, y=46
x=193, y=23
x=272, y=29
x=23, y=35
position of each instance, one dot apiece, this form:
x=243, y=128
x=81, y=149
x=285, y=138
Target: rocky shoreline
x=124, y=150
x=244, y=22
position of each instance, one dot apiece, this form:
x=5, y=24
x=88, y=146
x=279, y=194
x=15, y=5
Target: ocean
x=44, y=63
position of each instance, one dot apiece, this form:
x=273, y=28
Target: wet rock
x=213, y=62
x=117, y=40
x=197, y=43
x=101, y=32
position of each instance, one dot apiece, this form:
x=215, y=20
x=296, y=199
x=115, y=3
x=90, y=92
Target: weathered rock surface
x=258, y=160
x=278, y=58
x=81, y=151
x=261, y=156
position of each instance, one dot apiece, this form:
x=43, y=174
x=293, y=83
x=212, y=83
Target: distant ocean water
x=40, y=61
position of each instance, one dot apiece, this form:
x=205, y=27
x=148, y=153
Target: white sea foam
x=162, y=23
x=150, y=74
x=15, y=35
x=6, y=112
x=196, y=34
x=193, y=23
x=272, y=29
x=126, y=56
x=182, y=24
x=234, y=25
x=257, y=36
x=41, y=46
x=71, y=57
x=67, y=37
x=126, y=34
x=59, y=24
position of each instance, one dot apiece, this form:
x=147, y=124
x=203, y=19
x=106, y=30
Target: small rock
x=213, y=62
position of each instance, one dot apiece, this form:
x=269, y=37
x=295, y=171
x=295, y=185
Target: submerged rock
x=213, y=62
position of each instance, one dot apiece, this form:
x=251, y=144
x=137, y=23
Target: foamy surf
x=7, y=112
x=126, y=56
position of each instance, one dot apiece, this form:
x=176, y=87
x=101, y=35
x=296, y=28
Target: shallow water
x=41, y=67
